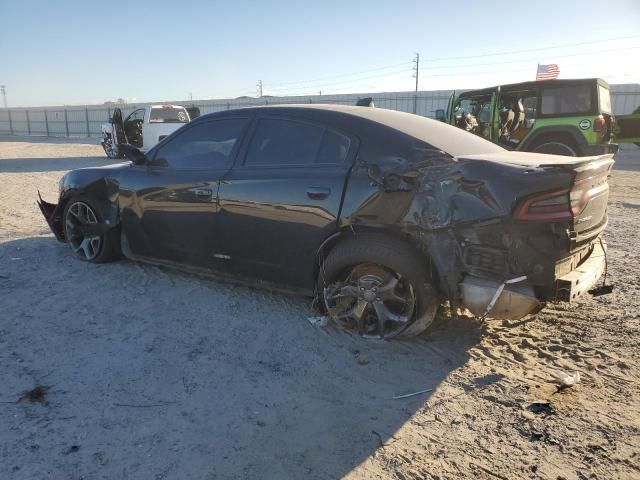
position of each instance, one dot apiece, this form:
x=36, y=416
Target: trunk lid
x=582, y=202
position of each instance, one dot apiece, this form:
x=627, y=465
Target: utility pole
x=259, y=88
x=416, y=69
x=3, y=90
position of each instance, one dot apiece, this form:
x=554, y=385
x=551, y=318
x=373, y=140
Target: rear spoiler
x=533, y=160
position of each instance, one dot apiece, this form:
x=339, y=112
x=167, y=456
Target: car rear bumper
x=517, y=299
x=579, y=281
x=599, y=149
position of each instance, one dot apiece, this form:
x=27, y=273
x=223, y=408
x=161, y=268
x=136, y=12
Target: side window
x=334, y=148
x=286, y=142
x=136, y=115
x=565, y=100
x=203, y=145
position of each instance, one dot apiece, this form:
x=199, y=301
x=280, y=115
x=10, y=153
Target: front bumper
x=53, y=215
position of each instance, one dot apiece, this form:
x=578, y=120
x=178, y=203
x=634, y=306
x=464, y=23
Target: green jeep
x=562, y=117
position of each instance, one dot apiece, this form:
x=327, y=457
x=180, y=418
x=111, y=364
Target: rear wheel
x=556, y=148
x=80, y=212
x=378, y=286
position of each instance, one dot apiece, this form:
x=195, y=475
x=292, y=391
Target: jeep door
x=282, y=199
x=627, y=128
x=169, y=206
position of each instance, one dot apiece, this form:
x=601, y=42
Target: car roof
x=447, y=138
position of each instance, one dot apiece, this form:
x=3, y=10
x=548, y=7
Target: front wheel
x=79, y=214
x=110, y=148
x=378, y=286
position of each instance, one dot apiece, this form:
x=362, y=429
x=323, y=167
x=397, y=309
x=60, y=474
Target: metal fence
x=86, y=120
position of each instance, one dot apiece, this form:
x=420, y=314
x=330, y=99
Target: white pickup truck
x=143, y=128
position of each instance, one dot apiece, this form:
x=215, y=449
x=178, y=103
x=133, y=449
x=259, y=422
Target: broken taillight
x=547, y=207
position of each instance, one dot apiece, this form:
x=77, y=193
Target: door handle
x=318, y=193
x=203, y=193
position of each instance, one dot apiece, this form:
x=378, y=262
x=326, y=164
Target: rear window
x=286, y=142
x=604, y=97
x=168, y=115
x=566, y=100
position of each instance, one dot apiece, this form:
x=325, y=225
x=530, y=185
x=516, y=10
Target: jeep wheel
x=378, y=286
x=555, y=148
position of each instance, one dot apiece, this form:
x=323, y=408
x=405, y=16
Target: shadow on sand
x=240, y=384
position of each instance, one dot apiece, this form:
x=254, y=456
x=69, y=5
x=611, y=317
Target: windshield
x=168, y=115
x=605, y=99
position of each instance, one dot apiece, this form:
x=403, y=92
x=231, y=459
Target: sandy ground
x=154, y=374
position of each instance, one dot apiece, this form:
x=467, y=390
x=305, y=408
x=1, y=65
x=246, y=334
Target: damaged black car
x=381, y=215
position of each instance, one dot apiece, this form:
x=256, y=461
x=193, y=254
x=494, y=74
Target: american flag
x=547, y=72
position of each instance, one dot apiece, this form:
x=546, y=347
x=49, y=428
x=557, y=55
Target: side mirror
x=440, y=115
x=133, y=154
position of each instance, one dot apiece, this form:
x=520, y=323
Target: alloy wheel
x=372, y=300
x=80, y=214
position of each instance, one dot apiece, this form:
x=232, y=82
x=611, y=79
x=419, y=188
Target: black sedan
x=380, y=215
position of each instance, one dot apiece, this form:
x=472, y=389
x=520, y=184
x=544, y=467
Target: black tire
x=553, y=147
x=109, y=148
x=391, y=254
x=107, y=249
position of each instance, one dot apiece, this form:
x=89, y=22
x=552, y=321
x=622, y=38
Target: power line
x=532, y=59
x=532, y=49
x=343, y=75
x=307, y=87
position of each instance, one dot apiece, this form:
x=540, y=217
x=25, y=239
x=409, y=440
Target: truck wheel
x=110, y=149
x=80, y=212
x=556, y=148
x=378, y=286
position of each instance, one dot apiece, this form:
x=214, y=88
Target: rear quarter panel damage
x=460, y=214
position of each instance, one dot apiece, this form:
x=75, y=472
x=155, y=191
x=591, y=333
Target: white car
x=143, y=128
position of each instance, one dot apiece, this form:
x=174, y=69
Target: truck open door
x=118, y=127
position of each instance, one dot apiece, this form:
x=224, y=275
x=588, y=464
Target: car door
x=169, y=206
x=118, y=127
x=627, y=128
x=133, y=127
x=282, y=198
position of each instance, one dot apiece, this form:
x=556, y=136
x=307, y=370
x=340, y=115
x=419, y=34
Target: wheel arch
x=101, y=194
x=570, y=134
x=348, y=232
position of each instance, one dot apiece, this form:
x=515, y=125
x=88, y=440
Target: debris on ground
x=37, y=394
x=566, y=380
x=412, y=394
x=319, y=321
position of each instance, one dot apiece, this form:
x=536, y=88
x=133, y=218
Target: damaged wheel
x=378, y=286
x=79, y=216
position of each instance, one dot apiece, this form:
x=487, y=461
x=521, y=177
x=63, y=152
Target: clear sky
x=74, y=52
